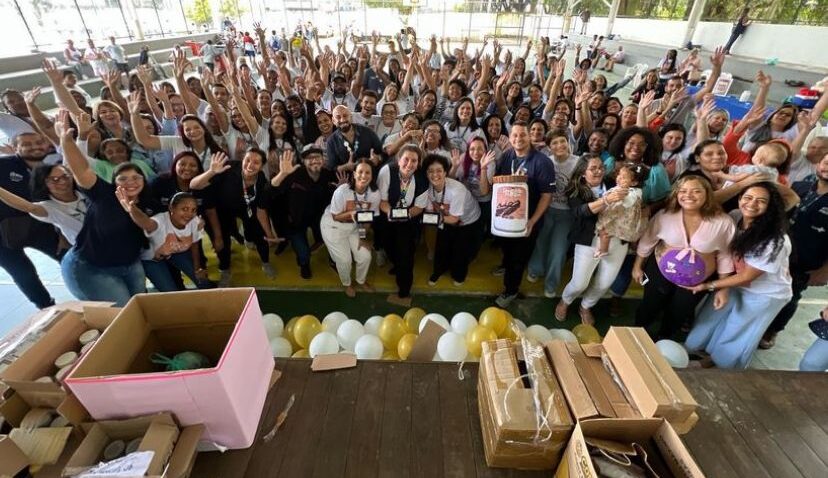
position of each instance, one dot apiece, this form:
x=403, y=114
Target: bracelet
x=711, y=286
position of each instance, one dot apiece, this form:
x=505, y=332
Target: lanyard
x=249, y=198
x=357, y=203
x=520, y=166
x=433, y=196
x=404, y=185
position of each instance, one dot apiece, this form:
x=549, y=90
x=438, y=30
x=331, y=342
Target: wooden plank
x=363, y=449
x=267, y=456
x=773, y=386
x=456, y=435
x=772, y=458
x=395, y=448
x=769, y=415
x=310, y=416
x=715, y=445
x=809, y=389
x=332, y=450
x=426, y=426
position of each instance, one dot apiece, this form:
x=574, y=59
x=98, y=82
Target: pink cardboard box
x=117, y=378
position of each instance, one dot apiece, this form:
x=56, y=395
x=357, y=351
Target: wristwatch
x=711, y=286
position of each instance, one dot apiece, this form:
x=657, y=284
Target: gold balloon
x=391, y=330
x=305, y=330
x=288, y=332
x=390, y=355
x=586, y=334
x=301, y=354
x=495, y=319
x=405, y=345
x=475, y=338
x=412, y=319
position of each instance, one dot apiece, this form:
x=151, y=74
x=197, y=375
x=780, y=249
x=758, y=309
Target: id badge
x=363, y=233
x=431, y=218
x=399, y=214
x=364, y=217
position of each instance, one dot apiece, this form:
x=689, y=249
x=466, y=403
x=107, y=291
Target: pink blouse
x=713, y=235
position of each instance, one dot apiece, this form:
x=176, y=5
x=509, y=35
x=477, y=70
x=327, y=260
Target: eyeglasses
x=59, y=179
x=129, y=179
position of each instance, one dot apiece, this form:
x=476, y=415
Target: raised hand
x=718, y=57
x=286, y=164
x=763, y=80
x=52, y=72
x=144, y=74
x=134, y=102
x=647, y=99
x=503, y=143
x=126, y=203
x=706, y=107
x=31, y=96
x=456, y=158
x=219, y=162
x=560, y=67
x=84, y=123
x=488, y=159
x=375, y=158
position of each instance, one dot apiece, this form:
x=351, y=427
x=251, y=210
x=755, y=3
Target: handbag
x=14, y=231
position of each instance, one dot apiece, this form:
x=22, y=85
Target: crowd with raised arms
x=372, y=150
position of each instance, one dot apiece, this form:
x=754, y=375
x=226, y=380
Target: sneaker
x=498, y=271
x=549, y=294
x=458, y=283
x=250, y=245
x=382, y=258
x=269, y=271
x=224, y=278
x=531, y=277
x=305, y=272
x=503, y=301
x=432, y=281
x=586, y=316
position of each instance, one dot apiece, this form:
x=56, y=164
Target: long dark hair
x=577, y=187
x=455, y=122
x=485, y=127
x=288, y=137
x=764, y=133
x=652, y=154
x=467, y=159
x=444, y=142
x=145, y=196
x=178, y=157
x=767, y=230
x=40, y=190
x=674, y=127
x=372, y=186
x=212, y=146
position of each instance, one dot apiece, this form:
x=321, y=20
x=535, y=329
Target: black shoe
x=305, y=272
x=281, y=247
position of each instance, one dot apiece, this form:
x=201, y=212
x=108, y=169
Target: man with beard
x=309, y=189
x=340, y=94
x=351, y=142
x=17, y=229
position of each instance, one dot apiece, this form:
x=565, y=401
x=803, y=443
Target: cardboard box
x=12, y=459
x=39, y=359
x=516, y=434
x=650, y=381
x=576, y=461
x=174, y=450
x=117, y=379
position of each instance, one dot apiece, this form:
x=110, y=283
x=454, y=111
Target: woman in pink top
x=684, y=244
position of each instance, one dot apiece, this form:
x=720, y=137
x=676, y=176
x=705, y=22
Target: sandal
x=586, y=316
x=560, y=311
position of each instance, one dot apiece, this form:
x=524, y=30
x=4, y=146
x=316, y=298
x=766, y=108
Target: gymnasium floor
x=289, y=295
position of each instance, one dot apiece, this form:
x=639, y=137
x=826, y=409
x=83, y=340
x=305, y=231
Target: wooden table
x=398, y=419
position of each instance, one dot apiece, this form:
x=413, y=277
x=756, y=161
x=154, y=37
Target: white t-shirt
x=776, y=280
x=329, y=101
x=370, y=123
x=383, y=132
x=801, y=168
x=238, y=142
x=459, y=138
x=563, y=170
x=404, y=104
x=116, y=52
x=176, y=145
x=384, y=183
x=66, y=216
x=11, y=126
x=167, y=232
x=460, y=201
x=344, y=199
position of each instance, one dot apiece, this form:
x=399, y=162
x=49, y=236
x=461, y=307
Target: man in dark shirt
x=523, y=159
x=17, y=229
x=809, y=237
x=309, y=188
x=350, y=142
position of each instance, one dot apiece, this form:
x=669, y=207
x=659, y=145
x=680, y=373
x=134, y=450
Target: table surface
x=400, y=419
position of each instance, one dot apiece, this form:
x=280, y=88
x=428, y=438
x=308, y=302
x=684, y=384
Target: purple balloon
x=682, y=268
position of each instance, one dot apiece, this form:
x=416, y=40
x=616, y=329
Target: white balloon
x=348, y=333
x=372, y=325
x=674, y=353
x=462, y=322
x=437, y=319
x=324, y=343
x=563, y=334
x=368, y=347
x=521, y=324
x=538, y=333
x=332, y=321
x=273, y=325
x=452, y=347
x=281, y=347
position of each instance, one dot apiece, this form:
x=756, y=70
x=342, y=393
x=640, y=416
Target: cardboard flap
x=574, y=389
x=100, y=317
x=72, y=410
x=160, y=438
x=41, y=446
x=184, y=455
x=13, y=409
x=426, y=344
x=12, y=458
x=333, y=362
x=672, y=449
x=621, y=429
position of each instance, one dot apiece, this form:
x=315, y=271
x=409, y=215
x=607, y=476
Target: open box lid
x=199, y=318
x=12, y=458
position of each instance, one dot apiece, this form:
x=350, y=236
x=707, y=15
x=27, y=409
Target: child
x=624, y=219
x=173, y=242
x=772, y=159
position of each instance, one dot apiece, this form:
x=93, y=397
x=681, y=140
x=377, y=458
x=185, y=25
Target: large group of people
x=372, y=148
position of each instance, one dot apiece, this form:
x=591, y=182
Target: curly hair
x=709, y=209
x=577, y=186
x=652, y=153
x=766, y=231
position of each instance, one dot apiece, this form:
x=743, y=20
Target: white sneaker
x=269, y=271
x=549, y=294
x=382, y=258
x=250, y=245
x=224, y=278
x=532, y=278
x=458, y=284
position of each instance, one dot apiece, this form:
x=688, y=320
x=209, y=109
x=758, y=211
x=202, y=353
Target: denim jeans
x=112, y=284
x=816, y=357
x=21, y=269
x=159, y=273
x=299, y=242
x=549, y=254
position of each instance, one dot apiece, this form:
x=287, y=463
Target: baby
x=623, y=219
x=771, y=159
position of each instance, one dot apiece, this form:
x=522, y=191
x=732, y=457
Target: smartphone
x=645, y=280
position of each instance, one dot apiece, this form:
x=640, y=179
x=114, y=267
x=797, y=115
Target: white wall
x=796, y=44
